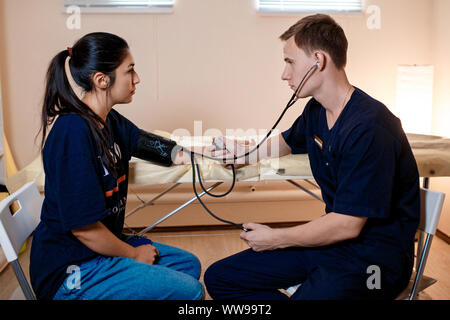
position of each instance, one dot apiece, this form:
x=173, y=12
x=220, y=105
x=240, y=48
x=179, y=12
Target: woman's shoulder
x=69, y=122
x=121, y=124
x=70, y=132
x=118, y=119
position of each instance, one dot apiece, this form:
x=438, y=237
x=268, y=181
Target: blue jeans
x=174, y=276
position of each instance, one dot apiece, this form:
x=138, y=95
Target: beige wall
x=212, y=60
x=441, y=104
x=217, y=61
x=441, y=49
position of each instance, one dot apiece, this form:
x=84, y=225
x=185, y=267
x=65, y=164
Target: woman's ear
x=101, y=81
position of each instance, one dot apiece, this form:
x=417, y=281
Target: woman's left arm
x=152, y=147
x=155, y=148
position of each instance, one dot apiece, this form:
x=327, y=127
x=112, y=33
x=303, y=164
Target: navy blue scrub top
x=365, y=167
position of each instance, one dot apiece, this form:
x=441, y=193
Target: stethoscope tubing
x=195, y=166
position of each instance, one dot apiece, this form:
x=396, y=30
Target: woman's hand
x=101, y=240
x=232, y=147
x=146, y=254
x=181, y=158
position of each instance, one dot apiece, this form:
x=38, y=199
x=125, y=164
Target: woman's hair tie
x=70, y=51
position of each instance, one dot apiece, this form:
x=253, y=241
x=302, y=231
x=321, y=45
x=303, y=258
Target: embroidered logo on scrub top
x=318, y=141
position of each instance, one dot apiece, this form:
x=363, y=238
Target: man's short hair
x=320, y=32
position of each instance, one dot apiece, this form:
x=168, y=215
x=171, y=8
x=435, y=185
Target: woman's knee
x=187, y=288
x=188, y=263
x=172, y=285
x=197, y=292
x=194, y=266
x=139, y=281
x=179, y=260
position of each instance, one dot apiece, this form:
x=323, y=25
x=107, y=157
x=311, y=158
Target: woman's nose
x=136, y=78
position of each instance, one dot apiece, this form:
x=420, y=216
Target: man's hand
x=146, y=254
x=260, y=237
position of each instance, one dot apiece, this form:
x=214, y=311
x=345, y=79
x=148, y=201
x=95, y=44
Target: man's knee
x=212, y=274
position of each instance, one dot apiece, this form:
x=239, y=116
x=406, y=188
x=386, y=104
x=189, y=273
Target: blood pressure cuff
x=151, y=147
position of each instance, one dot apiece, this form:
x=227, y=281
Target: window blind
x=122, y=6
x=309, y=6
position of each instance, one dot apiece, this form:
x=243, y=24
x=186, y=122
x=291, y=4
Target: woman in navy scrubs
x=362, y=248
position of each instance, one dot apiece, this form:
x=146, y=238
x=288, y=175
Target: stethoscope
x=195, y=166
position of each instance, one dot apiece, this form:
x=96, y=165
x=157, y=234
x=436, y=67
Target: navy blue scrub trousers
x=323, y=273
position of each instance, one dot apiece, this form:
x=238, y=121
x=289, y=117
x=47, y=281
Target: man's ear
x=321, y=58
x=101, y=80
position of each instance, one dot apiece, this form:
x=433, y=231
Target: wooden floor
x=210, y=246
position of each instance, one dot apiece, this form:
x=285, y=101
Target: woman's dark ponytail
x=95, y=52
x=58, y=92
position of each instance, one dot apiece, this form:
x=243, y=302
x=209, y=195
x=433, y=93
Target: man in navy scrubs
x=362, y=248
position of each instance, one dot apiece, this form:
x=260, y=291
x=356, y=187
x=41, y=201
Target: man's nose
x=285, y=75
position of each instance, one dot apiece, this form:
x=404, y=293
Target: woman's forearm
x=99, y=239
